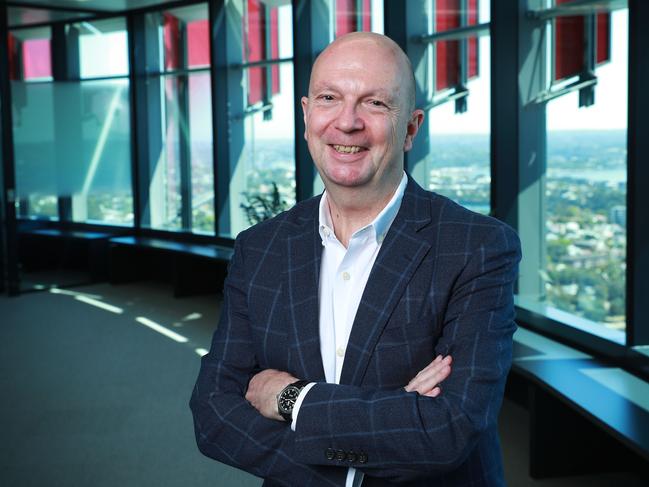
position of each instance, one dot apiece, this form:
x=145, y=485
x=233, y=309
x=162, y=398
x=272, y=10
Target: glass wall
x=261, y=117
x=583, y=198
x=356, y=16
x=586, y=194
x=72, y=126
x=458, y=86
x=30, y=70
x=99, y=179
x=181, y=184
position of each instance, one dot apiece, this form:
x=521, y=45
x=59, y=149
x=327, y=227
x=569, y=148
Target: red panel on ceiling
x=367, y=15
x=171, y=40
x=472, y=44
x=256, y=47
x=568, y=45
x=274, y=49
x=603, y=37
x=37, y=59
x=447, y=16
x=198, y=44
x=345, y=17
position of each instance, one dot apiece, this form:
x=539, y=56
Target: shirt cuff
x=298, y=403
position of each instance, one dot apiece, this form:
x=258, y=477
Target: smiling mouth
x=347, y=149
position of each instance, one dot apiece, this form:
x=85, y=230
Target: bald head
x=385, y=50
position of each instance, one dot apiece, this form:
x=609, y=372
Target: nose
x=348, y=119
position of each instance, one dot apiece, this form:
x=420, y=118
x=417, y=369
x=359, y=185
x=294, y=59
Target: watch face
x=287, y=399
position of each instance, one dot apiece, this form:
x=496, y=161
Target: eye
x=326, y=97
x=377, y=103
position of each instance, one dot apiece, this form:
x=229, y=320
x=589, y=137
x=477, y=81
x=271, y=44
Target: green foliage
x=259, y=207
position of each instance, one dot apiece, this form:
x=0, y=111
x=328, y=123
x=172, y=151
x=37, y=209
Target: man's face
x=357, y=118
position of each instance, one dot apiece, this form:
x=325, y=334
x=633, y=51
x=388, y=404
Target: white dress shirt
x=343, y=276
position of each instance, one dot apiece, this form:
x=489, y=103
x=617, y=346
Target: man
x=340, y=315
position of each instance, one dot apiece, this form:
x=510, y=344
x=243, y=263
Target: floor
x=95, y=383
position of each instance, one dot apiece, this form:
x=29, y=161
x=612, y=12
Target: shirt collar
x=380, y=224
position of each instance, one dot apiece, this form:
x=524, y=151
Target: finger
x=436, y=364
x=431, y=379
x=433, y=393
x=435, y=367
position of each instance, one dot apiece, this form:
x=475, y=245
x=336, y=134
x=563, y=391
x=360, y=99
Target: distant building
x=618, y=215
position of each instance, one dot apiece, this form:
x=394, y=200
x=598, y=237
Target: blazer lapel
x=304, y=253
x=399, y=257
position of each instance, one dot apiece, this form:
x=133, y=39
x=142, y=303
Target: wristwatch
x=287, y=397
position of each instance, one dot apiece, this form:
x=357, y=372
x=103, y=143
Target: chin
x=348, y=179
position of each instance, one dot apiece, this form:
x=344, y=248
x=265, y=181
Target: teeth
x=347, y=149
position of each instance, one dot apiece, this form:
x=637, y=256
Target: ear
x=305, y=109
x=414, y=123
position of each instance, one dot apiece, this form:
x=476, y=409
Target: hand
x=263, y=389
x=427, y=381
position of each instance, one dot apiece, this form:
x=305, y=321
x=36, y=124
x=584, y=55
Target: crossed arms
x=404, y=433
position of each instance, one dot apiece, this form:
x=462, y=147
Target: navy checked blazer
x=442, y=283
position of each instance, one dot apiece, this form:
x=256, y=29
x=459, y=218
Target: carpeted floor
x=92, y=395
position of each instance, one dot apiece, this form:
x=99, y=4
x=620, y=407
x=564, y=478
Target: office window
x=181, y=185
x=583, y=214
x=30, y=71
x=262, y=118
x=93, y=106
x=357, y=16
x=103, y=48
x=458, y=163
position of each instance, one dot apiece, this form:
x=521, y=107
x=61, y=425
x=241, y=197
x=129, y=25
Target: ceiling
x=30, y=12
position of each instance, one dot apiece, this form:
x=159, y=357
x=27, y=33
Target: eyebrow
x=385, y=94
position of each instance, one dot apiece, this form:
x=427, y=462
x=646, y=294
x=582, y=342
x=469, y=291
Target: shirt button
x=340, y=352
x=326, y=231
x=380, y=239
x=346, y=276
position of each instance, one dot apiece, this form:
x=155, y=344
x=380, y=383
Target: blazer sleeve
x=227, y=427
x=405, y=435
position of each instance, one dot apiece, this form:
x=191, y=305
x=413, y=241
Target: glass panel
x=183, y=37
x=355, y=15
x=30, y=55
x=585, y=228
x=103, y=47
x=37, y=59
x=181, y=174
x=201, y=153
x=34, y=148
x=181, y=189
x=73, y=140
x=264, y=146
x=269, y=35
x=458, y=164
x=99, y=179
